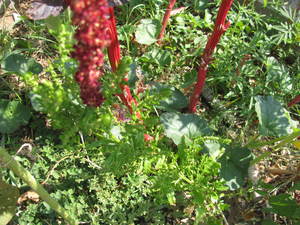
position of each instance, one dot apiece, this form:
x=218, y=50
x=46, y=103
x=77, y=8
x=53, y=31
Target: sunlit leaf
x=147, y=31
x=174, y=100
x=274, y=120
x=179, y=125
x=20, y=64
x=234, y=166
x=13, y=114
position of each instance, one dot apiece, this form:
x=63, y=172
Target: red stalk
x=294, y=101
x=220, y=27
x=114, y=55
x=165, y=20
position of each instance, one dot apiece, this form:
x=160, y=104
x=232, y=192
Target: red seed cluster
x=92, y=20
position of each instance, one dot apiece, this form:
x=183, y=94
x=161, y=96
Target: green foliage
x=102, y=169
x=284, y=205
x=13, y=114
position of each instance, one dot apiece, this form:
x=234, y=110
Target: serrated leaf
x=19, y=64
x=8, y=202
x=13, y=114
x=147, y=31
x=234, y=166
x=175, y=99
x=179, y=125
x=274, y=120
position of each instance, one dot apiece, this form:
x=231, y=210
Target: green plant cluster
x=101, y=169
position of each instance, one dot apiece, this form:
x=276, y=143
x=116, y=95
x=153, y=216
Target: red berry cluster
x=92, y=20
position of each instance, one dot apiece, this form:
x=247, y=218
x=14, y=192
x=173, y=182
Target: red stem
x=165, y=20
x=220, y=27
x=114, y=55
x=294, y=101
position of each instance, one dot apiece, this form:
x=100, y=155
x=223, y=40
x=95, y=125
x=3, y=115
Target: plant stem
x=282, y=141
x=165, y=20
x=220, y=27
x=21, y=172
x=294, y=101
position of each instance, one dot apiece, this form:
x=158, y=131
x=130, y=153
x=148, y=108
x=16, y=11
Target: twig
x=53, y=168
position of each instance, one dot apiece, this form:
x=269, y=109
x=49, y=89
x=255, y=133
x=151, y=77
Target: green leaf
x=213, y=148
x=19, y=64
x=147, y=31
x=283, y=205
x=8, y=202
x=278, y=75
x=234, y=166
x=274, y=120
x=53, y=23
x=13, y=114
x=159, y=56
x=177, y=126
x=175, y=99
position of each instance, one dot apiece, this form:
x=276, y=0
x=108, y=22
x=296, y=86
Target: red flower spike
x=91, y=19
x=294, y=101
x=220, y=27
x=165, y=20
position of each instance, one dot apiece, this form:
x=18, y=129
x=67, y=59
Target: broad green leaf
x=274, y=120
x=175, y=99
x=8, y=202
x=13, y=114
x=234, y=166
x=147, y=31
x=179, y=125
x=20, y=64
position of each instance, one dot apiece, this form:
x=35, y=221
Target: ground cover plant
x=150, y=112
